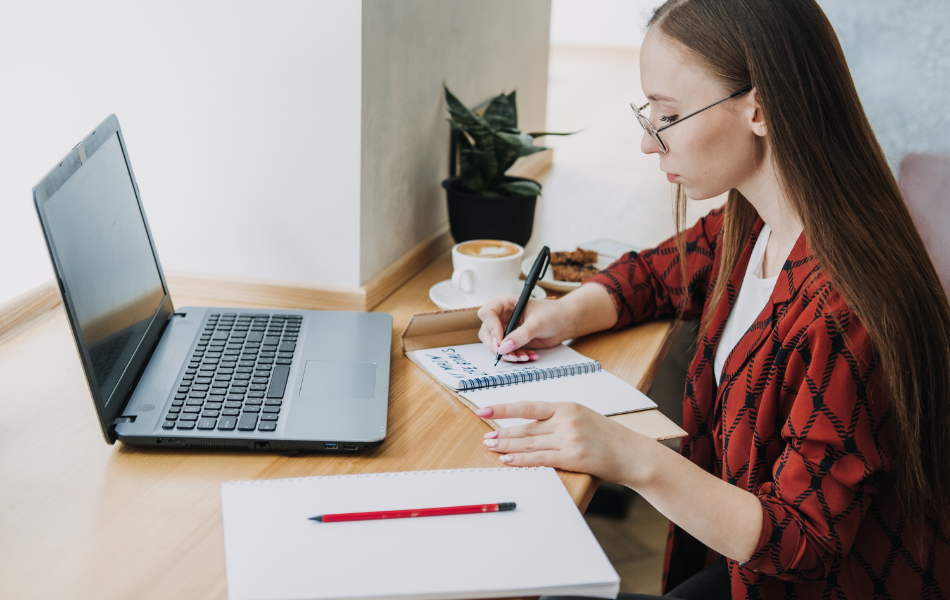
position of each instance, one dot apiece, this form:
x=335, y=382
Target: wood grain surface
x=84, y=519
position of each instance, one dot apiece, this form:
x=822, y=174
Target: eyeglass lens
x=648, y=127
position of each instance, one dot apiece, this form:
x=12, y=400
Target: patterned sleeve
x=825, y=478
x=649, y=284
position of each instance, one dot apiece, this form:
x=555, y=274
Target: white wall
x=899, y=55
x=410, y=47
x=242, y=120
x=600, y=22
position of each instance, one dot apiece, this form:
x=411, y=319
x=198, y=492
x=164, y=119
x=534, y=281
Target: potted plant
x=483, y=202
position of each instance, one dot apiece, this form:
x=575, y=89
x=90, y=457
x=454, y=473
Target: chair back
x=925, y=183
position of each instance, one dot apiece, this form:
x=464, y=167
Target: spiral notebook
x=561, y=374
x=273, y=551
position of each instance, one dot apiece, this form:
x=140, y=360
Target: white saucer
x=548, y=280
x=447, y=297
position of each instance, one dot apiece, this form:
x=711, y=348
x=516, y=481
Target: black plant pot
x=474, y=217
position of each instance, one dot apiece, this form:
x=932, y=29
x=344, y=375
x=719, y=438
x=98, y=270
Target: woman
x=817, y=460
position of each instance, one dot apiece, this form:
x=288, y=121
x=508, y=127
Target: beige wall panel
x=410, y=48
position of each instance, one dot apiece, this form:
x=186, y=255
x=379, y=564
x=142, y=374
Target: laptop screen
x=106, y=262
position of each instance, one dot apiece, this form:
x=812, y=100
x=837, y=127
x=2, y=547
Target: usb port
x=349, y=446
x=329, y=446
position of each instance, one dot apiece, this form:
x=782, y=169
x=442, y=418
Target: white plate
x=548, y=280
x=447, y=297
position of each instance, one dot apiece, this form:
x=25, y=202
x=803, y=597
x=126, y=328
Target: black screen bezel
x=111, y=407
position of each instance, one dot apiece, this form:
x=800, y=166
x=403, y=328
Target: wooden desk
x=84, y=519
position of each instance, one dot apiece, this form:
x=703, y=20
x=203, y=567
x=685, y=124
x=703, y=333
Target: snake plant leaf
x=501, y=114
x=522, y=188
x=508, y=147
x=538, y=134
x=514, y=106
x=459, y=135
x=464, y=118
x=479, y=170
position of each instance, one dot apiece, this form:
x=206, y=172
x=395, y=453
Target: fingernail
x=509, y=358
x=490, y=435
x=506, y=458
x=506, y=347
x=534, y=356
x=484, y=412
x=494, y=344
x=491, y=443
x=523, y=358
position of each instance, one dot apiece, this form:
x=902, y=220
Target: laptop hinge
x=124, y=420
x=82, y=153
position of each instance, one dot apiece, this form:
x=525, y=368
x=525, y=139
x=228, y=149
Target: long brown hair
x=837, y=180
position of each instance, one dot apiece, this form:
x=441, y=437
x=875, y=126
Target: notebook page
x=273, y=551
x=454, y=364
x=601, y=392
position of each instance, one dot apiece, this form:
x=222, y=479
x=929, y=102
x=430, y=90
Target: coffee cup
x=485, y=269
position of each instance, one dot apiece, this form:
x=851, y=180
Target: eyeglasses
x=655, y=133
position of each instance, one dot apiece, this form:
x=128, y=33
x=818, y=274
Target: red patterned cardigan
x=799, y=419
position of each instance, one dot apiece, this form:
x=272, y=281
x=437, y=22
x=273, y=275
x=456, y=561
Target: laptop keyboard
x=237, y=374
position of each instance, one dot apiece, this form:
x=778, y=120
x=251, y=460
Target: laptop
x=197, y=377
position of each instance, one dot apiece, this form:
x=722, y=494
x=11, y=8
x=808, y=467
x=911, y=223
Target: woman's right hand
x=544, y=324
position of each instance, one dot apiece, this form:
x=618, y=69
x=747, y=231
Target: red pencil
x=417, y=512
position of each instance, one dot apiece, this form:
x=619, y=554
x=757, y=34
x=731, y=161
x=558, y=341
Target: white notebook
x=561, y=374
x=273, y=551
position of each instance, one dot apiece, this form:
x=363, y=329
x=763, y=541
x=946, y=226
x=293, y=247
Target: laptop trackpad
x=338, y=380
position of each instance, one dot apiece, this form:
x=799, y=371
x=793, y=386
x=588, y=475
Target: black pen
x=537, y=272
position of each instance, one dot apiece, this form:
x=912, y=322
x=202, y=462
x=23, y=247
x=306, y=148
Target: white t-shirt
x=753, y=296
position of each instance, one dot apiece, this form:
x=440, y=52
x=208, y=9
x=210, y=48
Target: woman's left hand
x=567, y=436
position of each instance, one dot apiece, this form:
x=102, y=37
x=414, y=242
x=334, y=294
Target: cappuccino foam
x=488, y=249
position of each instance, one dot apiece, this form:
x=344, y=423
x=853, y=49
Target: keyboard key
x=255, y=336
x=267, y=426
x=220, y=335
x=253, y=402
x=188, y=417
x=200, y=387
x=279, y=382
x=247, y=422
x=246, y=363
x=287, y=347
x=213, y=405
x=186, y=424
x=236, y=335
x=227, y=423
x=174, y=410
x=284, y=361
x=221, y=384
x=195, y=402
x=168, y=425
x=245, y=370
x=272, y=409
x=265, y=361
x=261, y=380
x=213, y=414
x=242, y=376
x=225, y=371
x=237, y=397
x=251, y=409
x=270, y=402
x=180, y=396
x=269, y=416
x=191, y=371
x=271, y=340
x=206, y=423
x=203, y=380
x=192, y=409
x=268, y=354
x=233, y=404
x=177, y=402
x=172, y=415
x=197, y=395
x=230, y=412
x=255, y=394
x=258, y=387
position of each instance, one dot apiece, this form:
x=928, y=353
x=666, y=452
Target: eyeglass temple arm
x=744, y=90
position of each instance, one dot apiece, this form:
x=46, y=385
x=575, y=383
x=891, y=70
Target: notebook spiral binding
x=391, y=474
x=516, y=377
